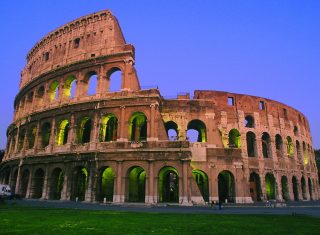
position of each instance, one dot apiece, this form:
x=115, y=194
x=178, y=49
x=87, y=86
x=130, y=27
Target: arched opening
x=290, y=147
x=197, y=131
x=106, y=185
x=303, y=188
x=45, y=134
x=138, y=127
x=295, y=188
x=115, y=78
x=39, y=96
x=32, y=137
x=234, y=139
x=56, y=184
x=14, y=179
x=266, y=145
x=63, y=131
x=136, y=184
x=305, y=154
x=299, y=152
x=108, y=128
x=251, y=144
x=226, y=187
x=285, y=188
x=168, y=185
x=84, y=130
x=69, y=88
x=172, y=130
x=279, y=145
x=92, y=83
x=203, y=183
x=24, y=182
x=37, y=182
x=22, y=135
x=310, y=188
x=296, y=131
x=54, y=91
x=255, y=187
x=79, y=183
x=30, y=100
x=270, y=182
x=249, y=121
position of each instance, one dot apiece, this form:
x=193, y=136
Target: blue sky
x=264, y=48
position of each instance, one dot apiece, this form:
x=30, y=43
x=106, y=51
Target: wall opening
x=226, y=187
x=249, y=121
x=92, y=83
x=197, y=131
x=251, y=144
x=106, y=184
x=56, y=184
x=115, y=78
x=266, y=145
x=63, y=131
x=38, y=181
x=168, y=185
x=79, y=184
x=84, y=130
x=172, y=130
x=255, y=187
x=203, y=183
x=108, y=128
x=270, y=182
x=45, y=134
x=234, y=139
x=138, y=127
x=285, y=188
x=136, y=184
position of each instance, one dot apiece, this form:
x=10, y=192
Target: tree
x=1, y=154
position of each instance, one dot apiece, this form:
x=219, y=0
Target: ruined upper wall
x=90, y=36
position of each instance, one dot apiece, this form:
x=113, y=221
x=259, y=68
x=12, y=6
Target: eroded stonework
x=69, y=143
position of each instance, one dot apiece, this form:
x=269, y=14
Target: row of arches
x=234, y=139
x=69, y=88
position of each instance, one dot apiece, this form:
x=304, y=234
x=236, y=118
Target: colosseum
x=68, y=141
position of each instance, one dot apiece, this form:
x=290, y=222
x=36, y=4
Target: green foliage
x=25, y=220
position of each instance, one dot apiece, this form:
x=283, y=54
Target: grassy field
x=25, y=220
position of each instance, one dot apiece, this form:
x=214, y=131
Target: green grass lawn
x=27, y=220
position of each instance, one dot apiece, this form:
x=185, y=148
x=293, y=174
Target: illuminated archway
x=84, y=130
x=285, y=188
x=108, y=128
x=56, y=184
x=251, y=144
x=197, y=131
x=172, y=130
x=136, y=184
x=295, y=188
x=168, y=185
x=138, y=127
x=79, y=183
x=290, y=147
x=24, y=182
x=266, y=145
x=234, y=139
x=54, y=91
x=106, y=185
x=45, y=134
x=63, y=131
x=270, y=182
x=92, y=83
x=32, y=136
x=226, y=186
x=203, y=183
x=69, y=87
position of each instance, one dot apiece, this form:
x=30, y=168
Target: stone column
x=118, y=196
x=263, y=186
x=17, y=140
x=123, y=136
x=67, y=181
x=279, y=196
x=17, y=189
x=30, y=186
x=52, y=134
x=36, y=139
x=184, y=198
x=45, y=191
x=88, y=193
x=103, y=82
x=94, y=132
x=214, y=192
x=153, y=127
x=150, y=198
x=72, y=130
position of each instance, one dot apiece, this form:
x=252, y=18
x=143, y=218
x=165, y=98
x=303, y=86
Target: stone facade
x=135, y=146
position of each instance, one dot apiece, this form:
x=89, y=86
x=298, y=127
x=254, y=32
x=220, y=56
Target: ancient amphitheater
x=69, y=142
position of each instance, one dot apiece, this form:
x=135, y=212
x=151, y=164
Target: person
x=220, y=205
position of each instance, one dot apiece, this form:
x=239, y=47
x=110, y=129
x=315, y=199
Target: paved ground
x=292, y=208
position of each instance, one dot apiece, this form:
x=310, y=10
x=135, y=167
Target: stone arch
x=39, y=96
x=108, y=128
x=105, y=188
x=303, y=188
x=22, y=134
x=63, y=132
x=37, y=183
x=14, y=178
x=226, y=186
x=234, y=139
x=279, y=145
x=138, y=127
x=299, y=152
x=266, y=145
x=197, y=131
x=114, y=76
x=168, y=185
x=24, y=182
x=202, y=181
x=79, y=184
x=295, y=130
x=5, y=176
x=172, y=130
x=84, y=130
x=69, y=87
x=31, y=137
x=45, y=134
x=305, y=154
x=53, y=91
x=255, y=187
x=290, y=147
x=285, y=188
x=91, y=83
x=295, y=188
x=251, y=144
x=56, y=184
x=270, y=183
x=249, y=121
x=310, y=188
x=135, y=184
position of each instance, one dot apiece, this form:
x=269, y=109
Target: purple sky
x=264, y=48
